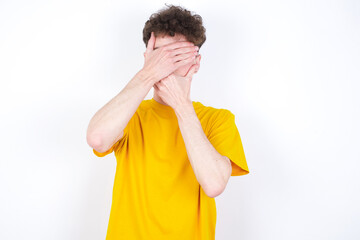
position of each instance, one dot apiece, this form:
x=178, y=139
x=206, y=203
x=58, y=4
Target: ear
x=198, y=59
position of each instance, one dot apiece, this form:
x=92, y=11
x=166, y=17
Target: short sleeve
x=115, y=146
x=225, y=138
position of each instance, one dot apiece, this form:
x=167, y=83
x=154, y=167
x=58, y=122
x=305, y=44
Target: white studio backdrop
x=288, y=70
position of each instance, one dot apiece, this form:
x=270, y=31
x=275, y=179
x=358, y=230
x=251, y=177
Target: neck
x=158, y=99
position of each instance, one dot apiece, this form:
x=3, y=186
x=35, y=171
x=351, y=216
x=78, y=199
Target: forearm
x=108, y=123
x=211, y=169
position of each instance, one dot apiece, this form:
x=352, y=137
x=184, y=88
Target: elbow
x=218, y=187
x=214, y=192
x=95, y=142
x=215, y=189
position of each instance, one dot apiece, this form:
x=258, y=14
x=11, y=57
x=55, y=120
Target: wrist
x=185, y=109
x=146, y=76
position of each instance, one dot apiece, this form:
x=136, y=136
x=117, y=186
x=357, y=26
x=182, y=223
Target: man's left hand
x=174, y=90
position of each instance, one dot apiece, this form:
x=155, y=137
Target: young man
x=174, y=155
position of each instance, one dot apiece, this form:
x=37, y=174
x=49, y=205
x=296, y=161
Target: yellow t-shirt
x=156, y=195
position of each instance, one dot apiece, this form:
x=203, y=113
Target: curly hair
x=175, y=20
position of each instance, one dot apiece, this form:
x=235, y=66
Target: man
x=174, y=155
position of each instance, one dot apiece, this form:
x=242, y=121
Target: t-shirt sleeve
x=225, y=137
x=116, y=145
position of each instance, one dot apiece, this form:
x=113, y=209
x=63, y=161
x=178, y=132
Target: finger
x=160, y=82
x=183, y=50
x=178, y=44
x=156, y=87
x=185, y=56
x=161, y=86
x=151, y=43
x=184, y=61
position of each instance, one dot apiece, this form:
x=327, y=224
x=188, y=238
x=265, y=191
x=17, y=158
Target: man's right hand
x=161, y=62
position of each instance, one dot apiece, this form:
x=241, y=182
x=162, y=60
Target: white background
x=288, y=70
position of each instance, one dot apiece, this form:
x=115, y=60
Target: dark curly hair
x=175, y=20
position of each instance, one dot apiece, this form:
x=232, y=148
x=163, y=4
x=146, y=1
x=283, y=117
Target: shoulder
x=143, y=106
x=210, y=112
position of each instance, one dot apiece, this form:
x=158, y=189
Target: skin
x=170, y=63
x=182, y=71
x=212, y=169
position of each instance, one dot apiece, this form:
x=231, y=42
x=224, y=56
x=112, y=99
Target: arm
x=107, y=125
x=211, y=169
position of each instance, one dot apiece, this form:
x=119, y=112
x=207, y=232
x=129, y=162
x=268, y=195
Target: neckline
x=165, y=110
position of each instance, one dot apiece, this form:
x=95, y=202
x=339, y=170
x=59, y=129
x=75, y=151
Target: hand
x=174, y=90
x=160, y=62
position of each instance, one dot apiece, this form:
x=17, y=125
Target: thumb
x=151, y=43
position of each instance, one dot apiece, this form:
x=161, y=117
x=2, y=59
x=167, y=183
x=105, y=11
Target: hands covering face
x=163, y=62
x=174, y=90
